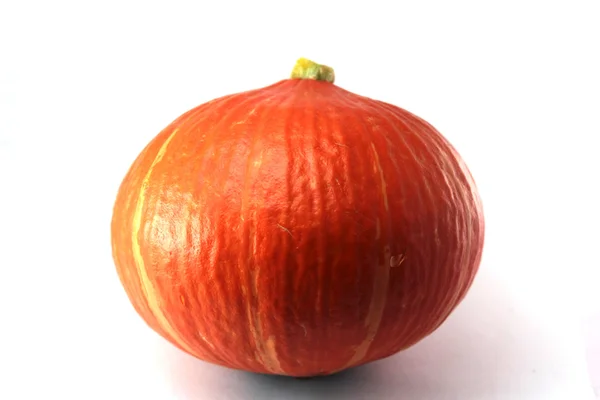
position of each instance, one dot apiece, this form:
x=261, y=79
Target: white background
x=514, y=85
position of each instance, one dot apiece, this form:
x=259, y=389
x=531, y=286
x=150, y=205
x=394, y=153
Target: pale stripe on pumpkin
x=380, y=282
x=265, y=350
x=147, y=286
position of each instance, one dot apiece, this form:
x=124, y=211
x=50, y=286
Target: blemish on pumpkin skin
x=304, y=328
x=243, y=121
x=396, y=261
x=283, y=228
x=182, y=299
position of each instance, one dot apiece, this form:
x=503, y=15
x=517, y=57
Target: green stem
x=307, y=69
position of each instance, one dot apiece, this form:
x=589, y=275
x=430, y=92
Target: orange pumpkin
x=297, y=229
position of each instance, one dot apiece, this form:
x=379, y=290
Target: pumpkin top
x=307, y=69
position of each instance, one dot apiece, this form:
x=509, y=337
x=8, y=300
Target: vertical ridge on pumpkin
x=147, y=286
x=333, y=158
x=285, y=258
x=424, y=146
x=423, y=197
x=462, y=183
x=436, y=276
x=452, y=191
x=265, y=347
x=191, y=321
x=349, y=169
x=398, y=316
x=121, y=245
x=199, y=296
x=249, y=216
x=301, y=296
x=311, y=121
x=380, y=282
x=361, y=219
x=387, y=129
x=286, y=250
x=217, y=287
x=122, y=222
x=444, y=300
x=379, y=171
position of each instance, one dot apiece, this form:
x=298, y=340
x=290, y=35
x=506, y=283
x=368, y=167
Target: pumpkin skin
x=298, y=229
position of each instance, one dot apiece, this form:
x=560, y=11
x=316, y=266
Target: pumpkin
x=298, y=229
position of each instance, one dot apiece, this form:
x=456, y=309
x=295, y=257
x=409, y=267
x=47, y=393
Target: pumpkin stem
x=307, y=69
